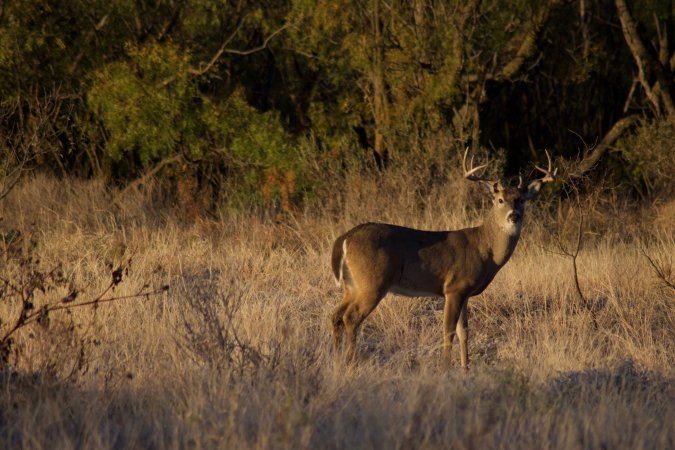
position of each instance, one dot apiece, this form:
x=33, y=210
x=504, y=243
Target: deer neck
x=499, y=240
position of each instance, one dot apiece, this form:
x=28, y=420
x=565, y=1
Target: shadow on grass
x=625, y=378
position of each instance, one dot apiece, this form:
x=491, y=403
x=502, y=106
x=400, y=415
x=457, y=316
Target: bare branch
x=528, y=44
x=572, y=254
x=629, y=97
x=661, y=272
x=223, y=49
x=662, y=35
x=10, y=180
x=22, y=143
x=170, y=23
x=592, y=158
x=219, y=53
x=149, y=174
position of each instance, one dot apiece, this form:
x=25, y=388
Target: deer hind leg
x=354, y=315
x=463, y=335
x=337, y=321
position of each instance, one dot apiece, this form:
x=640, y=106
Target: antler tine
x=549, y=176
x=535, y=185
x=469, y=173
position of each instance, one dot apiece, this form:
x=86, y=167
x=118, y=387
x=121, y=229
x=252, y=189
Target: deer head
x=508, y=204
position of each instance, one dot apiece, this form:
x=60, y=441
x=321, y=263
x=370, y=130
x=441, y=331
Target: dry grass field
x=237, y=353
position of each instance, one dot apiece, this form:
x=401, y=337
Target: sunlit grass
x=237, y=353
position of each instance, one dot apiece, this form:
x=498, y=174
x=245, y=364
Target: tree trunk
x=380, y=103
x=648, y=67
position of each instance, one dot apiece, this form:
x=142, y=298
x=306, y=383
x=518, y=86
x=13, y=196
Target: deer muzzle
x=513, y=217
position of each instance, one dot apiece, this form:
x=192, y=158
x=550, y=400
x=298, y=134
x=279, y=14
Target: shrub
x=651, y=159
x=152, y=108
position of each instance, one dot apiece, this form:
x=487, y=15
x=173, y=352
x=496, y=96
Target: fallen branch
x=592, y=158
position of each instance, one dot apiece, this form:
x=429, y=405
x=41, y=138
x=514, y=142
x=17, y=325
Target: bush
x=152, y=108
x=651, y=159
x=31, y=293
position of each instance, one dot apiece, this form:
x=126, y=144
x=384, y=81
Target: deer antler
x=535, y=185
x=548, y=175
x=469, y=173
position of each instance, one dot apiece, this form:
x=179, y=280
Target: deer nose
x=513, y=216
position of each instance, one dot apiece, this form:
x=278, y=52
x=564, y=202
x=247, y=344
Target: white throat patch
x=510, y=228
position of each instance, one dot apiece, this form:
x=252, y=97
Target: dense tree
x=227, y=91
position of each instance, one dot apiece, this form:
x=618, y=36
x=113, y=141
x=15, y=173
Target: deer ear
x=488, y=187
x=491, y=187
x=532, y=191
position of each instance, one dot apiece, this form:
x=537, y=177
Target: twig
x=572, y=254
x=223, y=49
x=98, y=301
x=659, y=271
x=26, y=318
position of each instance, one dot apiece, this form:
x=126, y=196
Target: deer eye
x=501, y=200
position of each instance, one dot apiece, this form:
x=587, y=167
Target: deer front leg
x=463, y=335
x=453, y=308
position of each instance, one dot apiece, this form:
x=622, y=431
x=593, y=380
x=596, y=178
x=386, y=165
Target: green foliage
x=266, y=159
x=650, y=154
x=129, y=84
x=151, y=107
x=419, y=67
x=145, y=102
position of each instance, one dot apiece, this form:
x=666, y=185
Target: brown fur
x=456, y=265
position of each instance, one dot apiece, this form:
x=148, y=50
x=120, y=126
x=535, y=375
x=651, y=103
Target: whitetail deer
x=373, y=259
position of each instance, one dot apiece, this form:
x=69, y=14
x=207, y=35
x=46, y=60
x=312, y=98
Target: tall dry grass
x=237, y=353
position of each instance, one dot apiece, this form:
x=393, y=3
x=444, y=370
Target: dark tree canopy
x=240, y=91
